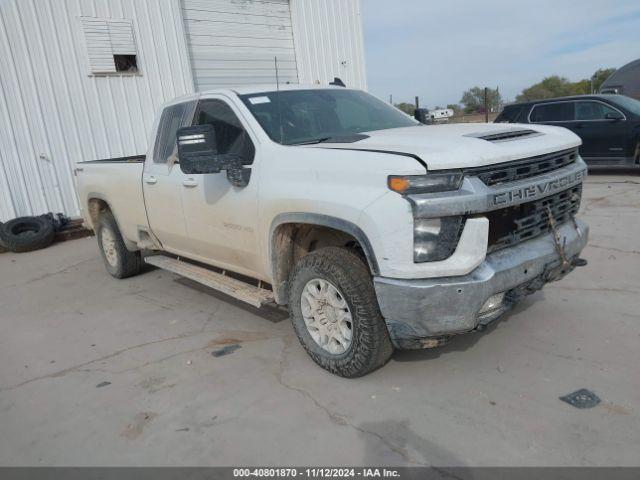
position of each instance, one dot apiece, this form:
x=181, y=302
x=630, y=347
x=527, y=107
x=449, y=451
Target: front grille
x=521, y=169
x=513, y=225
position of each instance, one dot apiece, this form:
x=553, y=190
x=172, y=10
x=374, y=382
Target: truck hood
x=448, y=146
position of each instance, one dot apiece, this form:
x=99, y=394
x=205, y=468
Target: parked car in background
x=609, y=125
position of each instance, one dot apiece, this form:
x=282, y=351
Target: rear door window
x=553, y=112
x=593, y=110
x=173, y=117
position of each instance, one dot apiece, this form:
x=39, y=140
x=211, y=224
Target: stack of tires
x=26, y=234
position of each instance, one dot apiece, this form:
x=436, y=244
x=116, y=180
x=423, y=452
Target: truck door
x=222, y=219
x=559, y=114
x=162, y=181
x=601, y=137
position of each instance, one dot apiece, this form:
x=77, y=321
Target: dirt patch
x=617, y=409
x=135, y=428
x=233, y=337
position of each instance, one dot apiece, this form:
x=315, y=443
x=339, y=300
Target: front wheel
x=335, y=313
x=119, y=261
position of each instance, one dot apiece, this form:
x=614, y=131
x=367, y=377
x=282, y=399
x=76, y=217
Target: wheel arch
x=96, y=205
x=284, y=249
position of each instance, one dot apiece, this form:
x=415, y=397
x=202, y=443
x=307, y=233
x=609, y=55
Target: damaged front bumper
x=424, y=313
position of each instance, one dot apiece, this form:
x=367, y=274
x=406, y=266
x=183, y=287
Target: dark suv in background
x=609, y=125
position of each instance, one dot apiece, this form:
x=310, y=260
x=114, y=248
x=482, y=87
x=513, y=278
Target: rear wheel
x=335, y=313
x=119, y=261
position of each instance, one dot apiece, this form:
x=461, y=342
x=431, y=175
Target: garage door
x=234, y=42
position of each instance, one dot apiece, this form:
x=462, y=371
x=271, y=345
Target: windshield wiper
x=312, y=142
x=353, y=138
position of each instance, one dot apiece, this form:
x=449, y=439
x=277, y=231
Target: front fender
x=281, y=247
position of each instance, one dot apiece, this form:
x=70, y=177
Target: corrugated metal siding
x=234, y=42
x=328, y=41
x=54, y=114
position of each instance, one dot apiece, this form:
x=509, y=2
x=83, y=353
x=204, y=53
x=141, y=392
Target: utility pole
x=417, y=103
x=391, y=99
x=486, y=105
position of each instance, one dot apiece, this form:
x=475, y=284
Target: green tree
x=407, y=108
x=549, y=87
x=473, y=100
x=455, y=107
x=556, y=86
x=600, y=76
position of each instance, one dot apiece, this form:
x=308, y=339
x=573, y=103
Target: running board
x=238, y=289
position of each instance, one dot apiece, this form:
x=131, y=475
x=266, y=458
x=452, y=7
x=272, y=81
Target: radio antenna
x=275, y=59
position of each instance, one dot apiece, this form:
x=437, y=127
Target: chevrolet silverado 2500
x=378, y=232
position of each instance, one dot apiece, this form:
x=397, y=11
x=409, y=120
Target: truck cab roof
x=249, y=90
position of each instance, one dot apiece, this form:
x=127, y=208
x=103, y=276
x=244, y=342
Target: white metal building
x=82, y=79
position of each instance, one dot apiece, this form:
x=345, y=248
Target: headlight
x=436, y=239
x=430, y=183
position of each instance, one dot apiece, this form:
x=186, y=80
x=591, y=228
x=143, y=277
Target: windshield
x=629, y=103
x=310, y=116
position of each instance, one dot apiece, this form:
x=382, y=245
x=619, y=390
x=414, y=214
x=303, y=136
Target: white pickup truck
x=378, y=232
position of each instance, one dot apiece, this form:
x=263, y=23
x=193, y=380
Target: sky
x=437, y=49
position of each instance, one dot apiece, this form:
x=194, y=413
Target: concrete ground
x=96, y=371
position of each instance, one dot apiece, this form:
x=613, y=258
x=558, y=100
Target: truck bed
x=117, y=181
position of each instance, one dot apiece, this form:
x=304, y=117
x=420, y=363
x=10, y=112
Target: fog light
x=493, y=303
x=435, y=239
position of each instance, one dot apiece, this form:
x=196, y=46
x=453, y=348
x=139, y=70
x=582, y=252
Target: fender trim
x=131, y=246
x=325, y=221
x=320, y=220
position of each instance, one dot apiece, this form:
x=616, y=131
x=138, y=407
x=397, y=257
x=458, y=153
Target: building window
x=126, y=63
x=111, y=46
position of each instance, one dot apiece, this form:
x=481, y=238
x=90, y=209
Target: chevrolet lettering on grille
x=531, y=192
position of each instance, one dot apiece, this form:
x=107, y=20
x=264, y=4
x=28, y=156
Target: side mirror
x=198, y=153
x=197, y=150
x=613, y=116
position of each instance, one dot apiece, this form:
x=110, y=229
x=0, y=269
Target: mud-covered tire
x=26, y=234
x=370, y=346
x=118, y=260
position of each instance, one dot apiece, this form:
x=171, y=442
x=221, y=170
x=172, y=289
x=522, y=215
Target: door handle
x=151, y=180
x=190, y=183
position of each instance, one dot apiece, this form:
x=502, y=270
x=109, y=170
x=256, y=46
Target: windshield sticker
x=259, y=100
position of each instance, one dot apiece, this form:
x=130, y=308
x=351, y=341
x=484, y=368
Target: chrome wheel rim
x=327, y=316
x=109, y=246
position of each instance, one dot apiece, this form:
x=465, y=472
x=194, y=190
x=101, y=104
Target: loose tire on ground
x=370, y=346
x=25, y=234
x=118, y=260
x=3, y=247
